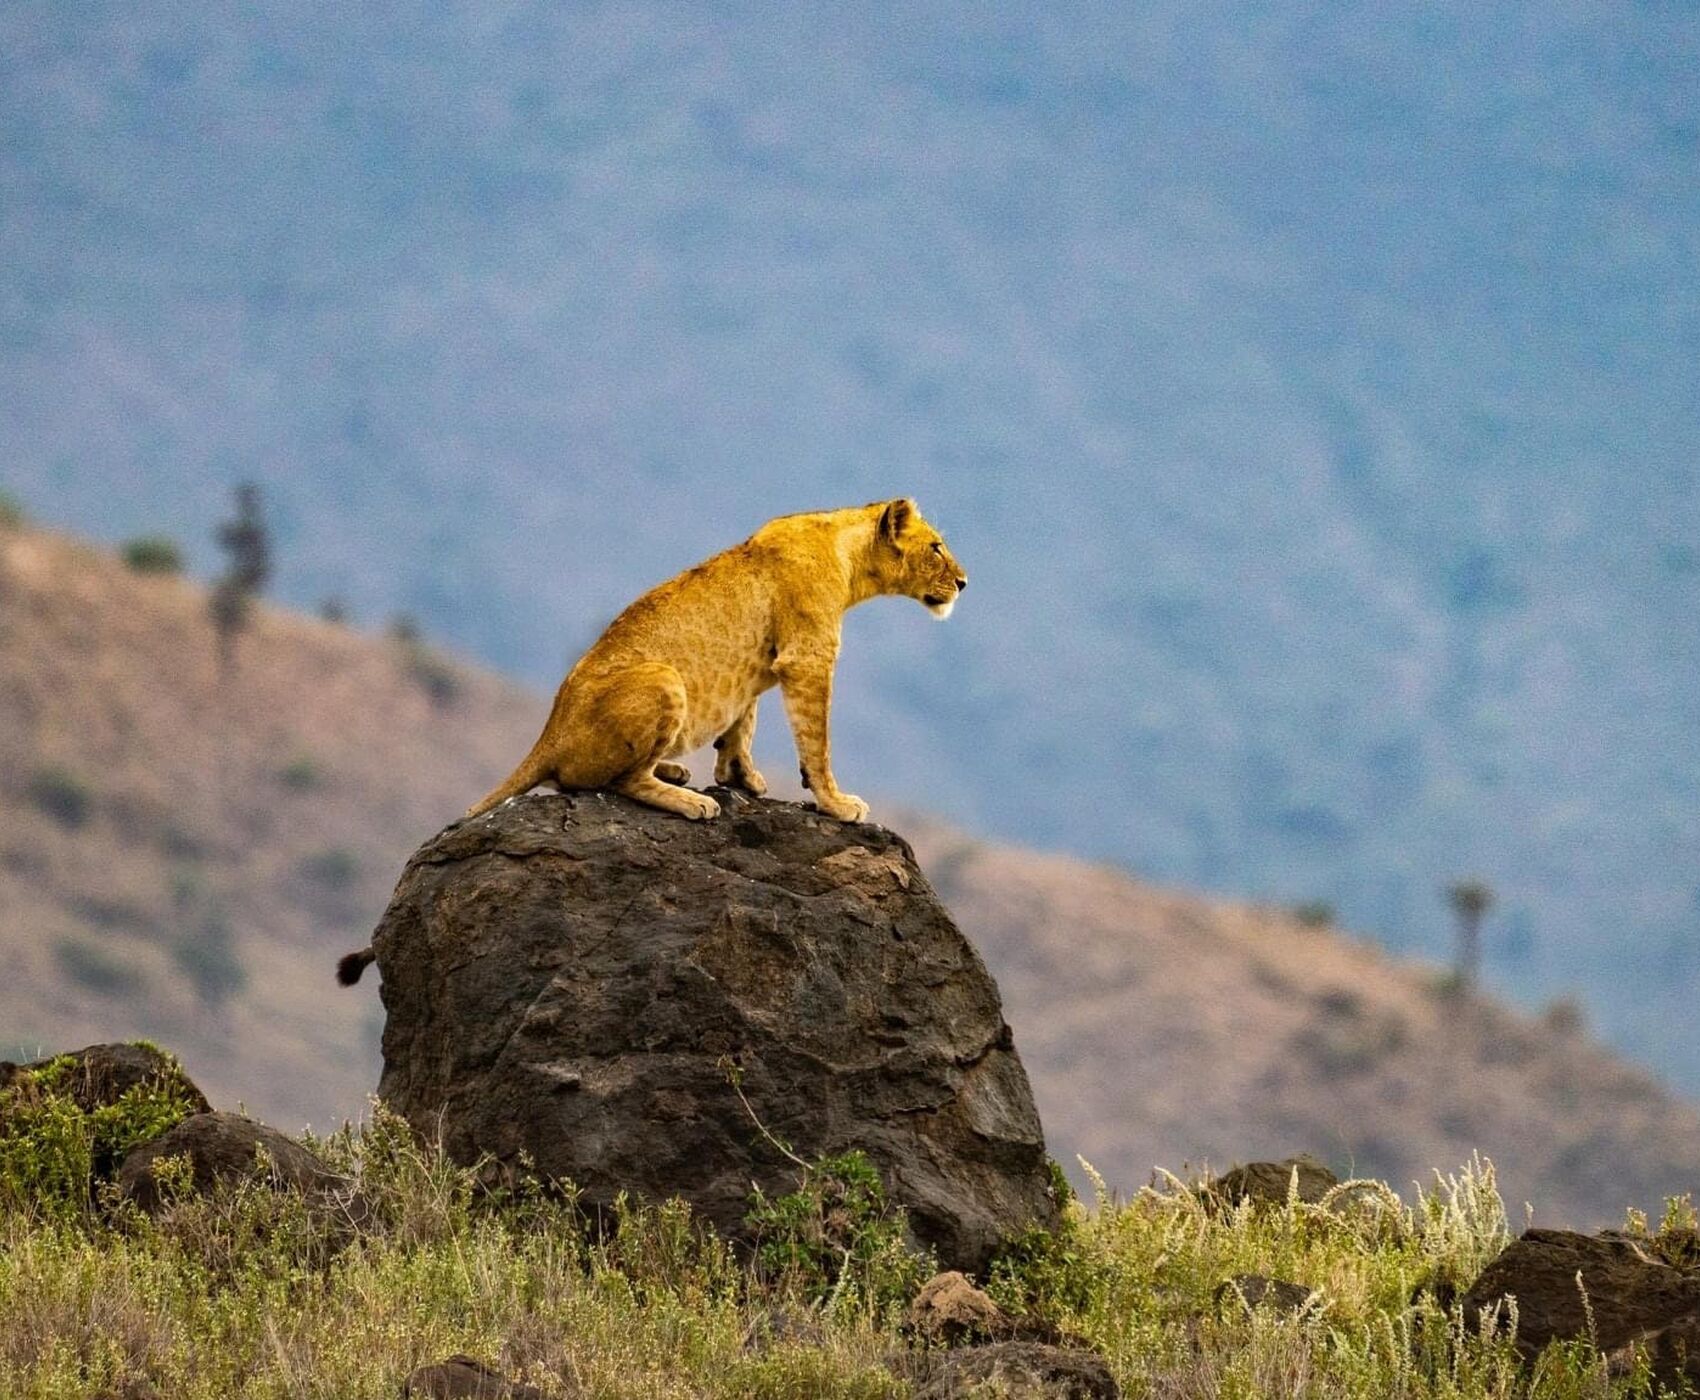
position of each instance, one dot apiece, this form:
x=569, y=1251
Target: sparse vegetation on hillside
x=153, y=554
x=95, y=968
x=60, y=793
x=11, y=511
x=300, y=774
x=335, y=867
x=208, y=955
x=435, y=674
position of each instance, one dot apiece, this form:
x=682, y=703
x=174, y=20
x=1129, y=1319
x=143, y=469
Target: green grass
x=268, y=1296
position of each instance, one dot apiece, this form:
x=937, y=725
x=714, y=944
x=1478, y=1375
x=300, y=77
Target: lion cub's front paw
x=846, y=807
x=698, y=806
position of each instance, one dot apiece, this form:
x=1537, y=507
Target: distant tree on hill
x=1470, y=900
x=333, y=609
x=11, y=512
x=247, y=545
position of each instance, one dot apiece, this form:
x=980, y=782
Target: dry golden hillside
x=183, y=856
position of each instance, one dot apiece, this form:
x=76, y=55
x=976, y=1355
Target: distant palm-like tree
x=1470, y=900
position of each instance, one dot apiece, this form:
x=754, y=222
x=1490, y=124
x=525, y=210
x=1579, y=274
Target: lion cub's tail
x=533, y=770
x=351, y=965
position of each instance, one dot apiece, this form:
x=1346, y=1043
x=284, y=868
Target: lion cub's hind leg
x=632, y=721
x=735, y=767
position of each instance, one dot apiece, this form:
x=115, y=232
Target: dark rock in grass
x=1011, y=1371
x=99, y=1075
x=568, y=977
x=224, y=1147
x=1271, y=1181
x=1673, y=1353
x=1252, y=1291
x=1630, y=1292
x=466, y=1378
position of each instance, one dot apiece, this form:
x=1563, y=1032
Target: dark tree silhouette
x=247, y=545
x=1470, y=900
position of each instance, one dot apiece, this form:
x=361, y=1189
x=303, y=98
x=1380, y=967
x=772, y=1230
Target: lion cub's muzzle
x=940, y=603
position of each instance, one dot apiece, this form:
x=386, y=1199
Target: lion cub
x=686, y=663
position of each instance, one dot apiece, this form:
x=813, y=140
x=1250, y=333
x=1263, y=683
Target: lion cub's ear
x=895, y=518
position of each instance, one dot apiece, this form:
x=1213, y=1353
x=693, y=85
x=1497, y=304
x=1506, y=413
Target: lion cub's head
x=910, y=557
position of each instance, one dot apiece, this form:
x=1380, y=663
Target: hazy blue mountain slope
x=1309, y=393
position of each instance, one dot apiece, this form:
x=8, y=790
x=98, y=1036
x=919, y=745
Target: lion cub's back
x=713, y=623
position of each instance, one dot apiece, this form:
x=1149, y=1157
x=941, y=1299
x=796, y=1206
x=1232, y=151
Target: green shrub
x=153, y=554
x=64, y=796
x=300, y=774
x=11, y=511
x=1314, y=913
x=52, y=1150
x=91, y=966
x=838, y=1232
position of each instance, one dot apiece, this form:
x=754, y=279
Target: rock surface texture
x=568, y=977
x=1631, y=1292
x=224, y=1147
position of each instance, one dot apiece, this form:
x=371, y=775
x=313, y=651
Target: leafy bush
x=837, y=1231
x=62, y=795
x=153, y=554
x=94, y=967
x=52, y=1150
x=11, y=511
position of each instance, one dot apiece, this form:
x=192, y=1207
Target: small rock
x=1271, y=1182
x=951, y=1310
x=466, y=1378
x=102, y=1074
x=1630, y=1293
x=221, y=1147
x=1011, y=1371
x=1253, y=1291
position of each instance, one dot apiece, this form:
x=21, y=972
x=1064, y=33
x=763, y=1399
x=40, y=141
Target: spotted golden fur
x=686, y=663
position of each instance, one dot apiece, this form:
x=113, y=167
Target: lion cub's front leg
x=805, y=680
x=735, y=767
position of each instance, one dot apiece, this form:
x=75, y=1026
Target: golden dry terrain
x=184, y=854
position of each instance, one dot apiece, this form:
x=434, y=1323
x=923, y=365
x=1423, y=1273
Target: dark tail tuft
x=348, y=970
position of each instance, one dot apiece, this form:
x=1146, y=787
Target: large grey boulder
x=568, y=977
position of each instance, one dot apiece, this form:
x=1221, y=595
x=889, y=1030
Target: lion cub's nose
x=961, y=583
